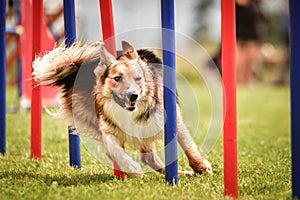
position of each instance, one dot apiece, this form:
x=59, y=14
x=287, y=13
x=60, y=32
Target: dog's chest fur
x=128, y=127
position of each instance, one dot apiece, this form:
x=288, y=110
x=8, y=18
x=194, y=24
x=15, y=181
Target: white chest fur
x=126, y=122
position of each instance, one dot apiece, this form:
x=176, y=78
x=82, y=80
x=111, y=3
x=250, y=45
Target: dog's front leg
x=116, y=153
x=149, y=157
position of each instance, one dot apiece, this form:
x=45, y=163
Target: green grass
x=264, y=159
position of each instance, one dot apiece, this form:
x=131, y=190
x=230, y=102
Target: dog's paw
x=136, y=175
x=186, y=172
x=208, y=167
x=202, y=166
x=133, y=170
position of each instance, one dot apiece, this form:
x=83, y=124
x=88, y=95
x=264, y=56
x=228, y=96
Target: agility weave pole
x=36, y=105
x=108, y=34
x=2, y=77
x=229, y=82
x=169, y=61
x=36, y=98
x=295, y=95
x=107, y=23
x=70, y=37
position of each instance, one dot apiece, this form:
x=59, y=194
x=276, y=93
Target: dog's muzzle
x=132, y=101
x=128, y=104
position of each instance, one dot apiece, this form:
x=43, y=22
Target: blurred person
x=248, y=34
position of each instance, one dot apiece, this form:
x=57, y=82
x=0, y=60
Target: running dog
x=117, y=101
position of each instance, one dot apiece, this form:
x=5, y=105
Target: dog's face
x=124, y=79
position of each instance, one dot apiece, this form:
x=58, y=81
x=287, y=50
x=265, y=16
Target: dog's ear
x=129, y=51
x=105, y=56
x=100, y=71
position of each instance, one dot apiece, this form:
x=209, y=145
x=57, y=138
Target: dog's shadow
x=57, y=179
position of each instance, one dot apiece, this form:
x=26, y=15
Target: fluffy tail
x=60, y=66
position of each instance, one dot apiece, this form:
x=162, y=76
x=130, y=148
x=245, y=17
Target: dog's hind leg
x=149, y=157
x=116, y=153
x=198, y=163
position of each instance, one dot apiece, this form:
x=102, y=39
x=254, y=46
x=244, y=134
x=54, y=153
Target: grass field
x=264, y=160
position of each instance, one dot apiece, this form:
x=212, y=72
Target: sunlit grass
x=264, y=158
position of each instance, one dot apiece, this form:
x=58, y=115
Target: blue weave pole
x=295, y=95
x=169, y=61
x=74, y=148
x=70, y=37
x=70, y=22
x=2, y=78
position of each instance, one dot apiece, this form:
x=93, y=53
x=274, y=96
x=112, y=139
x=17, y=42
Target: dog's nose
x=132, y=97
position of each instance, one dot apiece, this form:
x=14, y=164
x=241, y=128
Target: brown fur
x=116, y=101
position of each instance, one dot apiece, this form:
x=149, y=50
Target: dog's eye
x=138, y=79
x=118, y=78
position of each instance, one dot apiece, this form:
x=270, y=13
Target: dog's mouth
x=130, y=106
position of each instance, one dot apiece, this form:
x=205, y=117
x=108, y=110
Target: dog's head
x=124, y=79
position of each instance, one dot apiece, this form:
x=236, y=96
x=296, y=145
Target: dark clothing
x=248, y=19
x=248, y=28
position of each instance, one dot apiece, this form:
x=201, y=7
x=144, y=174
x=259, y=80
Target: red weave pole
x=229, y=82
x=36, y=98
x=108, y=32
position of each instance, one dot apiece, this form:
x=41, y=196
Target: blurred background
x=262, y=35
x=262, y=97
